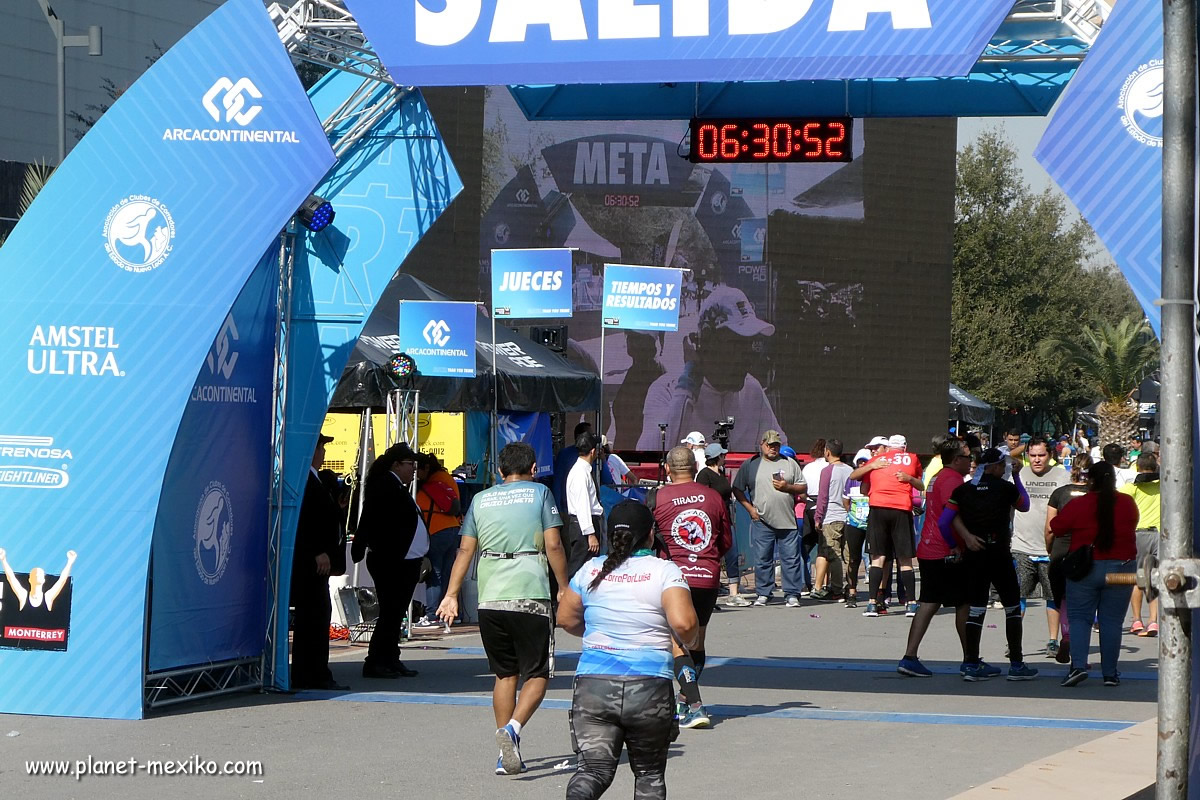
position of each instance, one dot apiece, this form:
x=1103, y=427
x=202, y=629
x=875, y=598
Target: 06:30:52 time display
x=797, y=140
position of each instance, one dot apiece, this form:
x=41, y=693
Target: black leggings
x=607, y=713
x=855, y=537
x=992, y=566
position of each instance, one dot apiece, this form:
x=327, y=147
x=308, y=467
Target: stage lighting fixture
x=316, y=213
x=403, y=366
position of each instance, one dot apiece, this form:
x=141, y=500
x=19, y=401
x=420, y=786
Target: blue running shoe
x=500, y=766
x=510, y=750
x=989, y=670
x=974, y=672
x=913, y=668
x=696, y=718
x=1021, y=672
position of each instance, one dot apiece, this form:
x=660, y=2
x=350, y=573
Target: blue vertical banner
x=641, y=298
x=116, y=283
x=440, y=336
x=387, y=189
x=1114, y=106
x=533, y=428
x=208, y=588
x=531, y=284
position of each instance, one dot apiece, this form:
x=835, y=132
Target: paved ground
x=809, y=701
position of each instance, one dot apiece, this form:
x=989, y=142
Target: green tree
x=1021, y=276
x=1113, y=360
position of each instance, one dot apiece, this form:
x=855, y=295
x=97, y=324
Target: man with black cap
x=981, y=514
x=318, y=533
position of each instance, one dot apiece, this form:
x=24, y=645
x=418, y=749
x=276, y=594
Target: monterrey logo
x=28, y=476
x=1141, y=103
x=138, y=232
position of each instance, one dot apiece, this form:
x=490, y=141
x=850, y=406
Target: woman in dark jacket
x=395, y=541
x=1104, y=520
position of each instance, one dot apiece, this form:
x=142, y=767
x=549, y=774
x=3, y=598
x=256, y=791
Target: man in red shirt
x=888, y=481
x=692, y=522
x=939, y=555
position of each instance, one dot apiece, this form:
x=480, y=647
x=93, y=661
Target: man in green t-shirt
x=516, y=528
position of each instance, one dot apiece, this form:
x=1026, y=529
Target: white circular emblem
x=501, y=232
x=692, y=529
x=1142, y=103
x=718, y=203
x=213, y=531
x=138, y=232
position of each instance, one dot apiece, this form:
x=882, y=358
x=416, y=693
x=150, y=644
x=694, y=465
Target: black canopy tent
x=966, y=407
x=531, y=376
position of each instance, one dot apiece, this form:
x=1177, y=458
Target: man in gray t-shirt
x=1029, y=539
x=767, y=486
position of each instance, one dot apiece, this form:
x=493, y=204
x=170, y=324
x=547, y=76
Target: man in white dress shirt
x=584, y=514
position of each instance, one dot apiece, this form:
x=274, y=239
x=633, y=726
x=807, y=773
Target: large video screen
x=816, y=296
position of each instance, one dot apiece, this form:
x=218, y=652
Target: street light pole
x=93, y=41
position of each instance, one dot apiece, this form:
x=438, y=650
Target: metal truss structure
x=170, y=687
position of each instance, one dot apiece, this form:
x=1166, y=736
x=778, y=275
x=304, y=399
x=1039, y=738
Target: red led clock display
x=793, y=141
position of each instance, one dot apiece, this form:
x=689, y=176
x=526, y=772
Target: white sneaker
x=792, y=602
x=427, y=623
x=761, y=600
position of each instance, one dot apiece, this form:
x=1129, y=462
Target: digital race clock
x=795, y=140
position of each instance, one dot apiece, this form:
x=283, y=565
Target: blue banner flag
x=117, y=281
x=641, y=298
x=531, y=284
x=473, y=42
x=1114, y=106
x=440, y=336
x=533, y=428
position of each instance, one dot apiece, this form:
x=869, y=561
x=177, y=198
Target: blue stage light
x=316, y=213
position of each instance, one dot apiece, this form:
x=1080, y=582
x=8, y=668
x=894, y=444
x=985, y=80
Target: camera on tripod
x=721, y=434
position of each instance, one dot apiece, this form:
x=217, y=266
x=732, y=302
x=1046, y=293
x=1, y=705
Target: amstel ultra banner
x=116, y=284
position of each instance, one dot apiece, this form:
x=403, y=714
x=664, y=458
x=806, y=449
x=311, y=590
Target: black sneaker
x=823, y=595
x=1075, y=677
x=1112, y=680
x=851, y=601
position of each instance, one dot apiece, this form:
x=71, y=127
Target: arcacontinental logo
x=231, y=106
x=215, y=384
x=213, y=531
x=138, y=232
x=437, y=332
x=20, y=467
x=1141, y=103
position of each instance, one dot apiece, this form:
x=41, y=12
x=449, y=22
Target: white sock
x=516, y=726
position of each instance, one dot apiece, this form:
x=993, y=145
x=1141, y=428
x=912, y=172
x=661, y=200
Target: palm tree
x=36, y=176
x=1114, y=359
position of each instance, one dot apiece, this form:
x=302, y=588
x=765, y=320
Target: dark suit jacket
x=389, y=518
x=318, y=530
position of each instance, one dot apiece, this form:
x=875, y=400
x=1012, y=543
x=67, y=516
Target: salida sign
x=475, y=42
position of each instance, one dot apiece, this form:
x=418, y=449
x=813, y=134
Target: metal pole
x=60, y=52
x=493, y=461
x=1176, y=405
x=600, y=411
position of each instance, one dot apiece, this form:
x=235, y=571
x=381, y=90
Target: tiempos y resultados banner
x=531, y=284
x=641, y=298
x=440, y=337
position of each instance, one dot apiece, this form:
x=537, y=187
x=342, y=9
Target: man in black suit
x=391, y=526
x=317, y=537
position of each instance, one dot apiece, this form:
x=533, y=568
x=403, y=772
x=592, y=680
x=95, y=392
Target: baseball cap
x=632, y=516
x=727, y=307
x=787, y=452
x=862, y=455
x=897, y=441
x=695, y=437
x=713, y=450
x=878, y=441
x=603, y=440
x=772, y=437
x=992, y=455
x=324, y=438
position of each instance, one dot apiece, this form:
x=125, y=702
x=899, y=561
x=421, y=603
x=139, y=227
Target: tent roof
x=969, y=408
x=532, y=377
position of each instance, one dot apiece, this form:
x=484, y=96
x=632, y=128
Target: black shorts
x=991, y=566
x=704, y=601
x=890, y=533
x=942, y=583
x=516, y=643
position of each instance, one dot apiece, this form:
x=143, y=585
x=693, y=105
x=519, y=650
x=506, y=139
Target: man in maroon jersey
x=693, y=528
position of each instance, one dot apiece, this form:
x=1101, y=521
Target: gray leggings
x=608, y=713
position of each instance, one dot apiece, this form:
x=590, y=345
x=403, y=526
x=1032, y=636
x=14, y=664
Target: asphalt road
x=808, y=702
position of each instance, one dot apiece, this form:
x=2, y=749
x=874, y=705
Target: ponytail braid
x=620, y=546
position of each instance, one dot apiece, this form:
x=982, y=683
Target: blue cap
x=787, y=451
